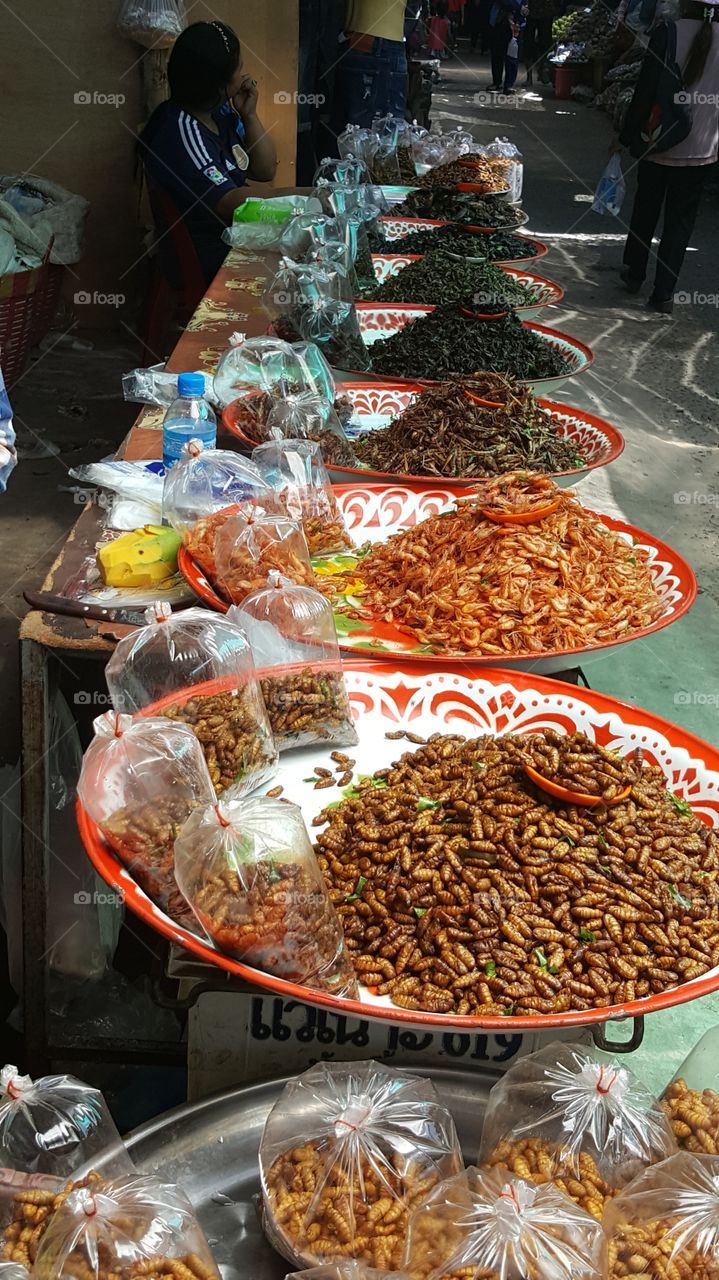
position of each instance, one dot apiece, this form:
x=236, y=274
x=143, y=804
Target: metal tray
x=211, y=1148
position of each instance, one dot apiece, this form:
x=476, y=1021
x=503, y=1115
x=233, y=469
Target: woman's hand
x=245, y=100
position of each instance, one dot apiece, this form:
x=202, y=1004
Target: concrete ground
x=656, y=378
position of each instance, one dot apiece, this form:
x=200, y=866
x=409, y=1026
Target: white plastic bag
x=156, y=24
x=611, y=188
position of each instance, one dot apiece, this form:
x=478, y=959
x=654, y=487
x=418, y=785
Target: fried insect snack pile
x=26, y=1212
x=348, y=1150
x=665, y=1225
x=482, y=1225
x=249, y=873
x=691, y=1099
x=464, y=583
x=196, y=668
x=125, y=1229
x=345, y=1269
x=559, y=1116
x=140, y=780
x=580, y=766
x=292, y=634
x=463, y=888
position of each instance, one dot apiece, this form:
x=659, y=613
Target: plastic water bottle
x=189, y=417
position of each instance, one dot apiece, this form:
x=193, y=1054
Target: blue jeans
x=374, y=83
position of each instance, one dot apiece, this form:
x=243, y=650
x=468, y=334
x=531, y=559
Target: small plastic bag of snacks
x=257, y=365
x=665, y=1224
x=385, y=161
x=249, y=871
x=140, y=780
x=346, y=1269
x=249, y=547
x=506, y=150
x=55, y=1125
x=355, y=142
x=559, y=1116
x=348, y=1151
x=310, y=418
x=298, y=475
x=292, y=629
x=129, y=1227
x=28, y=1202
x=316, y=369
x=205, y=481
x=196, y=668
x=349, y=171
x=691, y=1099
x=330, y=320
x=481, y=1225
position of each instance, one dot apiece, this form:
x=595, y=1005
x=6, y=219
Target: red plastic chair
x=178, y=281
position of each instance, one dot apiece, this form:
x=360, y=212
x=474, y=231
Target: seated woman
x=201, y=146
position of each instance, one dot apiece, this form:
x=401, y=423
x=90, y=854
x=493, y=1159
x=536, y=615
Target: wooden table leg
x=35, y=832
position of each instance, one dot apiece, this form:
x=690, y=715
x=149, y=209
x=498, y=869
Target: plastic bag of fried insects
x=665, y=1225
x=131, y=1227
x=310, y=418
x=483, y=1226
x=348, y=1151
x=28, y=1202
x=560, y=1116
x=293, y=638
x=249, y=547
x=249, y=871
x=196, y=668
x=691, y=1099
x=299, y=477
x=54, y=1125
x=206, y=481
x=346, y=1269
x=139, y=782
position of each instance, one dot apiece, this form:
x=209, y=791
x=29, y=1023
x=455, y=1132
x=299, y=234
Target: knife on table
x=50, y=603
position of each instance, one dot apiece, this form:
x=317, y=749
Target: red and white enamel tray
x=394, y=228
x=471, y=701
x=373, y=513
x=546, y=292
x=382, y=320
x=376, y=404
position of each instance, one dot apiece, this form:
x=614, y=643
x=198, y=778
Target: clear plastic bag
x=54, y=1125
x=558, y=1115
x=355, y=142
x=258, y=364
x=292, y=628
x=481, y=1226
x=205, y=481
x=249, y=547
x=507, y=151
x=156, y=24
x=249, y=870
x=349, y=171
x=385, y=161
x=348, y=1151
x=140, y=781
x=196, y=668
x=125, y=1229
x=27, y=1205
x=309, y=418
x=316, y=369
x=611, y=189
x=347, y=1269
x=691, y=1099
x=665, y=1225
x=298, y=475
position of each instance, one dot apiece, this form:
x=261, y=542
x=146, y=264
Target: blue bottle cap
x=191, y=384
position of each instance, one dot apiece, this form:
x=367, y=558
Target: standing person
x=478, y=24
x=673, y=179
x=456, y=14
x=373, y=74
x=438, y=31
x=8, y=456
x=538, y=34
x=506, y=20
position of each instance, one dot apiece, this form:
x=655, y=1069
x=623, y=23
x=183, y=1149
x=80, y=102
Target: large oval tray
x=546, y=292
x=386, y=697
